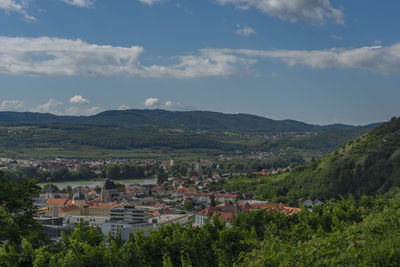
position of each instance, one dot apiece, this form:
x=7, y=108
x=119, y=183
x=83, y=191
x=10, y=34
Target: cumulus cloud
x=54, y=56
x=15, y=6
x=77, y=111
x=384, y=60
x=78, y=99
x=52, y=106
x=80, y=3
x=167, y=105
x=177, y=106
x=12, y=105
x=314, y=11
x=123, y=107
x=149, y=2
x=152, y=102
x=244, y=30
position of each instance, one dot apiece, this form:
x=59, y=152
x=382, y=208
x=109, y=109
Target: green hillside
x=75, y=140
x=367, y=165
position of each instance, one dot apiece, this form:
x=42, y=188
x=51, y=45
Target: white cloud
x=78, y=99
x=314, y=11
x=80, y=3
x=244, y=30
x=14, y=6
x=52, y=106
x=152, y=102
x=54, y=56
x=383, y=60
x=168, y=105
x=12, y=105
x=76, y=111
x=177, y=106
x=123, y=107
x=149, y=2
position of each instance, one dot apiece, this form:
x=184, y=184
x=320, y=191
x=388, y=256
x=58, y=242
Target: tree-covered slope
x=369, y=164
x=185, y=120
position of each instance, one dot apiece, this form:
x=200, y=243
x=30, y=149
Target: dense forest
x=344, y=232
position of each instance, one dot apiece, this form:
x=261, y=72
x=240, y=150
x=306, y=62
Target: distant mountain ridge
x=186, y=120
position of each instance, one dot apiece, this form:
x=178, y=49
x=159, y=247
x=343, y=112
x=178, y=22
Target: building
x=99, y=209
x=94, y=221
x=123, y=227
x=226, y=212
x=129, y=213
x=79, y=200
x=181, y=219
x=109, y=190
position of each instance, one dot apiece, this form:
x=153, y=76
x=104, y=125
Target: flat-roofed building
x=129, y=213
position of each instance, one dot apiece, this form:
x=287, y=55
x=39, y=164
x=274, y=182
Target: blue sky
x=318, y=61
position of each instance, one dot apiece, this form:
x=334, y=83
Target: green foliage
x=17, y=211
x=188, y=205
x=368, y=165
x=344, y=232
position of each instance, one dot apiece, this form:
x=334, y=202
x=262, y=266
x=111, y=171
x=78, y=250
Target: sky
x=317, y=61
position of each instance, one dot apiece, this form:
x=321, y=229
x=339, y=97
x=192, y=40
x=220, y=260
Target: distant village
x=127, y=208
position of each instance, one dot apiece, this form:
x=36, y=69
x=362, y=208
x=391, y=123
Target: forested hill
x=186, y=120
x=367, y=165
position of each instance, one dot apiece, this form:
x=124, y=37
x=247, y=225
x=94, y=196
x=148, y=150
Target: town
x=186, y=198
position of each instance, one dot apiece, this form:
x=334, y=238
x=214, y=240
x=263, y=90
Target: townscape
x=114, y=207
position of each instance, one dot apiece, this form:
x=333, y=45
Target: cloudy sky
x=318, y=61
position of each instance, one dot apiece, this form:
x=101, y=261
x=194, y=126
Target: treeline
x=255, y=165
x=113, y=171
x=122, y=171
x=57, y=175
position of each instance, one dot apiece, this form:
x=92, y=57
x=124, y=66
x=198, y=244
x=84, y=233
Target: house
x=226, y=212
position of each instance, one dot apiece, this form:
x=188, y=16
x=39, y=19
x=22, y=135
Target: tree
x=162, y=176
x=179, y=170
x=212, y=201
x=17, y=211
x=188, y=205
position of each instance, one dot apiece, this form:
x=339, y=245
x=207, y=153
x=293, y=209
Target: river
x=93, y=183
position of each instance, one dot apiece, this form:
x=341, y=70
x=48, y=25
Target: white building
x=94, y=221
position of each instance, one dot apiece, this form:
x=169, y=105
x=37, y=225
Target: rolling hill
x=368, y=165
x=185, y=120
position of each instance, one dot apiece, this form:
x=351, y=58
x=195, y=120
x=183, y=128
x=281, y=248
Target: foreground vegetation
x=344, y=232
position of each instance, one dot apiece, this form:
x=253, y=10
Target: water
x=93, y=183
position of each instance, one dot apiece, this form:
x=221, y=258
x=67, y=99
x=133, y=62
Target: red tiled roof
x=56, y=201
x=69, y=208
